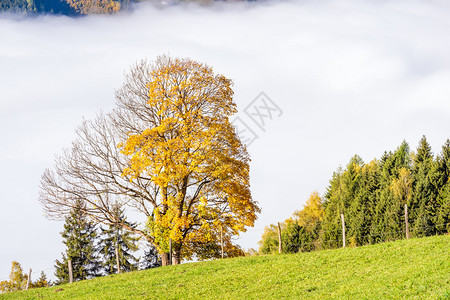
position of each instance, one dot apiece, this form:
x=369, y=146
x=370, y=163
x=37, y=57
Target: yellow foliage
x=17, y=280
x=352, y=243
x=191, y=151
x=402, y=185
x=87, y=7
x=312, y=212
x=269, y=239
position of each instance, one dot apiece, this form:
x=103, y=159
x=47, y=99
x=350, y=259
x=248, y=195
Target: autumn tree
x=17, y=279
x=312, y=213
x=269, y=240
x=219, y=241
x=309, y=222
x=192, y=153
x=402, y=190
x=88, y=7
x=180, y=163
x=300, y=233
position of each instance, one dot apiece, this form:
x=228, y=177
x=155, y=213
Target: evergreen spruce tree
x=116, y=240
x=42, y=281
x=340, y=199
x=296, y=238
x=62, y=270
x=331, y=234
x=442, y=186
x=388, y=219
x=151, y=259
x=443, y=211
x=291, y=238
x=360, y=211
x=423, y=202
x=79, y=237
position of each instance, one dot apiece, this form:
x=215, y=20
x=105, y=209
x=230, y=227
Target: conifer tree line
x=97, y=251
x=403, y=192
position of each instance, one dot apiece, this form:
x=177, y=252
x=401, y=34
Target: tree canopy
x=169, y=151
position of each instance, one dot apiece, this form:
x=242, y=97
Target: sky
x=339, y=77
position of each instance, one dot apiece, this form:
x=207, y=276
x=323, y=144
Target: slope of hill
x=415, y=268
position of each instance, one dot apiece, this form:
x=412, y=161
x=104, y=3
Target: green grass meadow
x=406, y=269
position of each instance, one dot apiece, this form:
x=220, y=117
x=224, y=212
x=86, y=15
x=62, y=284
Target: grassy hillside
x=416, y=268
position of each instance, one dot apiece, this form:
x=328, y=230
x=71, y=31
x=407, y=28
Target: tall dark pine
x=388, y=211
x=332, y=205
x=151, y=259
x=423, y=202
x=79, y=237
x=116, y=237
x=358, y=217
x=442, y=185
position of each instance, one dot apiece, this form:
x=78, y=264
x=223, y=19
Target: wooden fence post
x=343, y=230
x=29, y=279
x=406, y=221
x=170, y=251
x=69, y=262
x=221, y=238
x=279, y=238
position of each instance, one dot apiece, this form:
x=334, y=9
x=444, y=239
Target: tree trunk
x=69, y=263
x=117, y=259
x=164, y=259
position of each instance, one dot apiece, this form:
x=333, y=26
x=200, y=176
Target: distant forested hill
x=80, y=7
x=62, y=7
